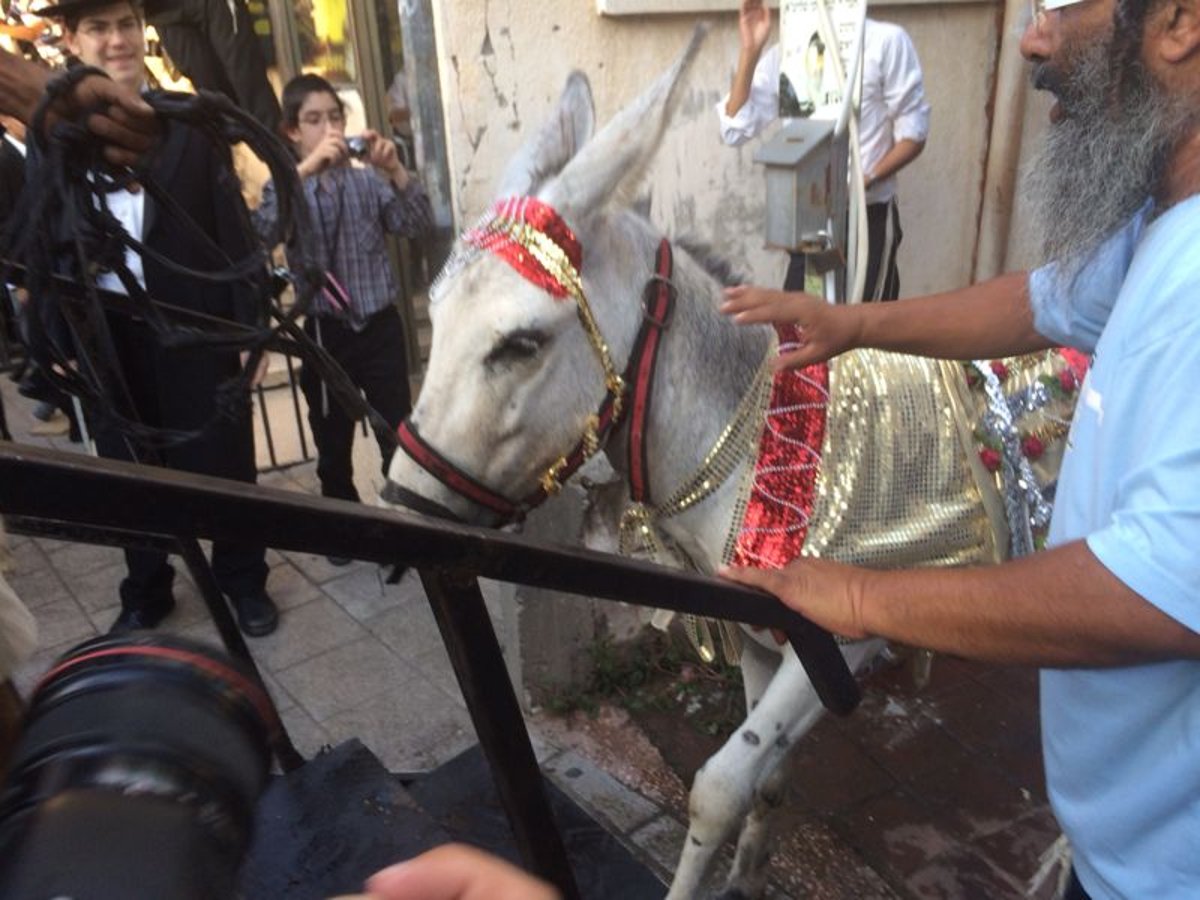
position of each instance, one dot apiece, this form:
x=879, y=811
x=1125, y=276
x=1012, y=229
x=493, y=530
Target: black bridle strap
x=658, y=304
x=656, y=317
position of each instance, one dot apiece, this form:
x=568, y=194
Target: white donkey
x=553, y=328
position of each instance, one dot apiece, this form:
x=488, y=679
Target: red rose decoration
x=1000, y=369
x=990, y=459
x=1032, y=447
x=1066, y=380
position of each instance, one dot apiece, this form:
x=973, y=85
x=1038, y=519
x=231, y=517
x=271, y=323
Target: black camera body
x=358, y=146
x=136, y=776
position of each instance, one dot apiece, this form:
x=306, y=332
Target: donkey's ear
x=559, y=139
x=611, y=166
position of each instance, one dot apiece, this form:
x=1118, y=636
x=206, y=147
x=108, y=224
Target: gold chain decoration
x=639, y=522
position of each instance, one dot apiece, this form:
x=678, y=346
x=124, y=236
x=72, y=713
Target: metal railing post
x=470, y=640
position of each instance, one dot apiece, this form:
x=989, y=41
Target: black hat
x=79, y=7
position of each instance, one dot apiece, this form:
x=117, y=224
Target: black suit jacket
x=175, y=384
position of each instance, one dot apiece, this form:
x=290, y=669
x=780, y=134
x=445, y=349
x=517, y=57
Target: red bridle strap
x=658, y=304
x=451, y=476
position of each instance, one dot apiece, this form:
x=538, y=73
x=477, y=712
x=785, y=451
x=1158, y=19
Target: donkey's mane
x=712, y=262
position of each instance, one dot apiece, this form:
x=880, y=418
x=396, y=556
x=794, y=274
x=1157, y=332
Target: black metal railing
x=72, y=497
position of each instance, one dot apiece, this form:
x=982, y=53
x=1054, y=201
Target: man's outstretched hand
x=825, y=329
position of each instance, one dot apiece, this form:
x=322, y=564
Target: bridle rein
x=534, y=239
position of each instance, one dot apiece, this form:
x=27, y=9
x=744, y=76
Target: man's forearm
x=902, y=153
x=21, y=86
x=987, y=320
x=743, y=81
x=1059, y=608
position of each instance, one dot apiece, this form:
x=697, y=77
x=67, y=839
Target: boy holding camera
x=354, y=318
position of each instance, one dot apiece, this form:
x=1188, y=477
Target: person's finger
x=123, y=146
x=457, y=872
x=763, y=579
x=795, y=359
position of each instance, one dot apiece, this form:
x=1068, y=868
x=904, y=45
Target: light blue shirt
x=1122, y=746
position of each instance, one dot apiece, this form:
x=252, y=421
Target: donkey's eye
x=524, y=343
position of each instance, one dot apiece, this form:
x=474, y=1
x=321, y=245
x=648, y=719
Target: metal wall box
x=806, y=186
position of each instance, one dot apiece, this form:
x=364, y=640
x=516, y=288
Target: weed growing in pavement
x=658, y=673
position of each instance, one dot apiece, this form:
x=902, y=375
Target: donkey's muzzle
x=397, y=495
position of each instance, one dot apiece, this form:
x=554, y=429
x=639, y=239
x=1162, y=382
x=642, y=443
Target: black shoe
x=338, y=561
x=147, y=616
x=256, y=614
x=35, y=386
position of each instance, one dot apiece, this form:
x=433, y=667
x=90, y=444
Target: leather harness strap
x=658, y=304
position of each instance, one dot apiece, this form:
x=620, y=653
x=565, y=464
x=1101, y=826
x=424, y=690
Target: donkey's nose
x=392, y=493
x=396, y=495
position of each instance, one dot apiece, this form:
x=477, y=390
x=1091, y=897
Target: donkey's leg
x=748, y=878
x=724, y=787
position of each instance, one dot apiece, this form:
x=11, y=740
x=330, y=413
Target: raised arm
x=754, y=27
x=989, y=319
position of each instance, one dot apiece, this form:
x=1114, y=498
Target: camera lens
x=357, y=146
x=136, y=776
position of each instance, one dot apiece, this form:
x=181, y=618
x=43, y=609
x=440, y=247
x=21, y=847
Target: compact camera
x=358, y=146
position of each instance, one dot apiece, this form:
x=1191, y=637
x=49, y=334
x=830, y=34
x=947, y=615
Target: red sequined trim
x=500, y=235
x=789, y=460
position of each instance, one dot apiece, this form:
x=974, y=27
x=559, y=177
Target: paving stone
x=61, y=621
x=101, y=589
x=963, y=873
x=412, y=729
x=659, y=842
x=362, y=591
x=828, y=771
x=317, y=568
x=435, y=665
x=829, y=868
x=308, y=737
x=38, y=588
x=82, y=559
x=600, y=793
x=305, y=632
x=408, y=629
x=288, y=586
x=346, y=677
x=27, y=555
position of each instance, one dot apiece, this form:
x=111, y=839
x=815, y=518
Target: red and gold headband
x=532, y=238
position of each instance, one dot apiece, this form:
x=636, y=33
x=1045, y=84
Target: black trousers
x=1074, y=890
x=376, y=362
x=176, y=388
x=883, y=242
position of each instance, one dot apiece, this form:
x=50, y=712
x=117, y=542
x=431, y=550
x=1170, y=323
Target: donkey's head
x=534, y=315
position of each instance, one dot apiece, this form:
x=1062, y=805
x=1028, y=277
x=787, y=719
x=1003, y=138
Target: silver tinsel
x=1025, y=504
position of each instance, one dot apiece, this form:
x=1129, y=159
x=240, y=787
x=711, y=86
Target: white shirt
x=130, y=210
x=893, y=105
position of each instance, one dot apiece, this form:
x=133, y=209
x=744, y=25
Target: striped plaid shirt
x=352, y=208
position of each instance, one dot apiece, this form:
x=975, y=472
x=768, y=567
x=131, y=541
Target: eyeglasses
x=333, y=117
x=1039, y=9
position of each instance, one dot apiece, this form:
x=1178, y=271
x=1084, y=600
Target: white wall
x=502, y=66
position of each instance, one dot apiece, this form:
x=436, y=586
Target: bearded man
x=1111, y=612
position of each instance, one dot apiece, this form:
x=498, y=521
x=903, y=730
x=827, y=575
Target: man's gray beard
x=1099, y=164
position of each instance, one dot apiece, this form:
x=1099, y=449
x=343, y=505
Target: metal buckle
x=653, y=283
